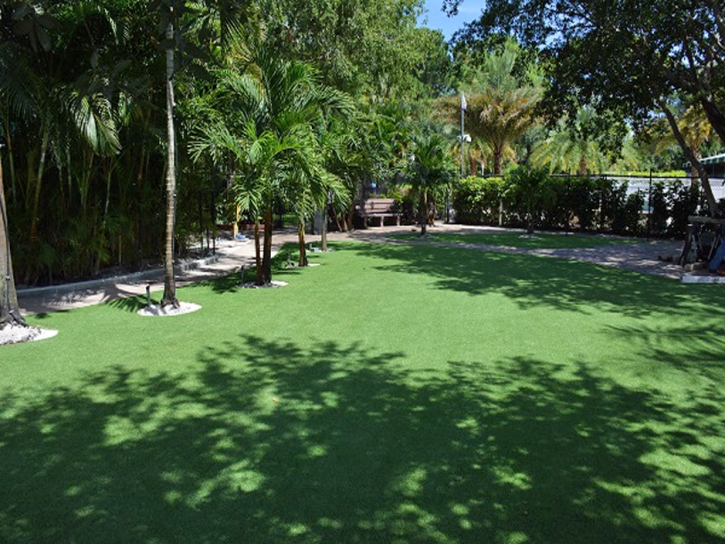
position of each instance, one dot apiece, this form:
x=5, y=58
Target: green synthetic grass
x=530, y=241
x=393, y=394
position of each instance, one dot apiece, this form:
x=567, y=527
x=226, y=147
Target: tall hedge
x=585, y=203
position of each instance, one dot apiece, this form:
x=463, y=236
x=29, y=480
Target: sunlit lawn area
x=537, y=240
x=397, y=393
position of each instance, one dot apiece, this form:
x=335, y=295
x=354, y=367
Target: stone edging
x=113, y=280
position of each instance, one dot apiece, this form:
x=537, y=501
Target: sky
x=437, y=19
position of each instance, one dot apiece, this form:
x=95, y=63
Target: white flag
x=463, y=102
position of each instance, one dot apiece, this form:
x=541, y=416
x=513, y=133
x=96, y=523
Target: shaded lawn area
x=423, y=394
x=538, y=240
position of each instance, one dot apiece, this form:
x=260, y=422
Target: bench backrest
x=379, y=205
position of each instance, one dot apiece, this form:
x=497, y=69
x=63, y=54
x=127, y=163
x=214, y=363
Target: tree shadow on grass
x=133, y=304
x=232, y=283
x=271, y=441
x=553, y=282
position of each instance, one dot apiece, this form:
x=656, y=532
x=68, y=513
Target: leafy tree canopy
x=621, y=55
x=371, y=47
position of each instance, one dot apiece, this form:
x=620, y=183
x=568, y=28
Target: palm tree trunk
x=104, y=220
x=301, y=243
x=423, y=212
x=267, y=255
x=583, y=166
x=169, y=297
x=259, y=278
x=323, y=233
x=337, y=221
x=9, y=310
x=38, y=186
x=497, y=160
x=348, y=221
x=11, y=161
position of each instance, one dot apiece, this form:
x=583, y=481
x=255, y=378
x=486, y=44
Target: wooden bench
x=380, y=207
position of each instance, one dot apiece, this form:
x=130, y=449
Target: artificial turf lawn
x=423, y=394
x=537, y=240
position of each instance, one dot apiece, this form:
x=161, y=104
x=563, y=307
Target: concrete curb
x=136, y=277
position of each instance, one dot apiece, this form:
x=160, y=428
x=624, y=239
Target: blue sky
x=468, y=11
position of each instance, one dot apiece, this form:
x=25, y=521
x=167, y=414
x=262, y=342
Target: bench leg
x=382, y=220
x=397, y=220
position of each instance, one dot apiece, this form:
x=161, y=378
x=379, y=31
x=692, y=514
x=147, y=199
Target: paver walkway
x=231, y=255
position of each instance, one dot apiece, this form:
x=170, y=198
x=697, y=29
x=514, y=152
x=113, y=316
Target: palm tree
x=276, y=107
x=571, y=147
x=224, y=17
x=61, y=110
x=500, y=117
x=14, y=96
x=169, y=296
x=500, y=105
x=432, y=167
x=343, y=159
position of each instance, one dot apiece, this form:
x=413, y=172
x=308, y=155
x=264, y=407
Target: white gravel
x=270, y=285
x=166, y=311
x=17, y=334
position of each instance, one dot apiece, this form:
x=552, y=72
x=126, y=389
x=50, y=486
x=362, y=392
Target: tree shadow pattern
x=271, y=441
x=552, y=282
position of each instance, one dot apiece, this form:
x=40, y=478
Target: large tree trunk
x=267, y=250
x=691, y=157
x=9, y=309
x=715, y=116
x=169, y=297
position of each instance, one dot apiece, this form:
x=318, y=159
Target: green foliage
x=563, y=202
x=529, y=193
x=500, y=102
x=627, y=59
x=476, y=200
x=81, y=115
x=684, y=200
x=659, y=211
x=373, y=49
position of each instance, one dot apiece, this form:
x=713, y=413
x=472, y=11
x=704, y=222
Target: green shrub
x=659, y=209
x=583, y=200
x=529, y=191
x=591, y=203
x=476, y=200
x=684, y=201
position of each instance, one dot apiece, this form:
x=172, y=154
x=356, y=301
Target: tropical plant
x=431, y=168
x=594, y=49
x=275, y=107
x=500, y=102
